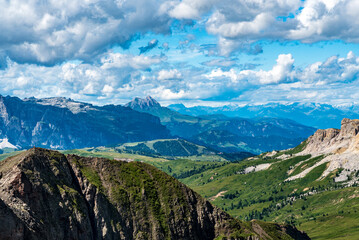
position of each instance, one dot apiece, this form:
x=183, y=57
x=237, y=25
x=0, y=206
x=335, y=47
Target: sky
x=196, y=52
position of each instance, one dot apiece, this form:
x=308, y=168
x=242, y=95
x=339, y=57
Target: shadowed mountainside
x=61, y=123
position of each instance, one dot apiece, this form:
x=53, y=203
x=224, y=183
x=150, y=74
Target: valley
x=236, y=164
x=291, y=186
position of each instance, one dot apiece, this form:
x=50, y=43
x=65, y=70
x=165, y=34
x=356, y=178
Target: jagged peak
x=143, y=103
x=331, y=140
x=339, y=148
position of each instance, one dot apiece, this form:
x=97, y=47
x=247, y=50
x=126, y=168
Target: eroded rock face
x=340, y=148
x=334, y=140
x=46, y=195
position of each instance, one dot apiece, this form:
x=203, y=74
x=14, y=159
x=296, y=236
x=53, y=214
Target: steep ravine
x=47, y=195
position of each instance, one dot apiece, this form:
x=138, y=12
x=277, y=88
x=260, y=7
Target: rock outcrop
x=47, y=195
x=334, y=140
x=340, y=148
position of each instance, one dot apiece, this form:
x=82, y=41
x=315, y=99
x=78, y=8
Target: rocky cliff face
x=335, y=141
x=340, y=150
x=65, y=124
x=46, y=195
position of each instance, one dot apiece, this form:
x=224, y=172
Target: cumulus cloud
x=49, y=32
x=119, y=77
x=172, y=74
x=281, y=72
x=326, y=20
x=313, y=83
x=241, y=21
x=190, y=9
x=115, y=74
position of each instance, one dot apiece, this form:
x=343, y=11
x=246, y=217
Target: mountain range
x=61, y=123
x=310, y=114
x=228, y=134
x=47, y=195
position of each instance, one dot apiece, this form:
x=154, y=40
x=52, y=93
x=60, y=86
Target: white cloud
x=50, y=32
x=281, y=72
x=191, y=9
x=107, y=89
x=260, y=23
x=332, y=81
x=119, y=77
x=236, y=22
x=172, y=74
x=118, y=60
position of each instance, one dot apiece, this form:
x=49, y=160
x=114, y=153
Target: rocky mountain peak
x=143, y=103
x=339, y=147
x=326, y=141
x=349, y=128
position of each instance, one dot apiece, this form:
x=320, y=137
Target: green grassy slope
x=179, y=168
x=311, y=204
x=169, y=149
x=132, y=199
x=322, y=208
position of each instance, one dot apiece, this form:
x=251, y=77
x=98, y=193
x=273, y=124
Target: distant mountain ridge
x=61, y=123
x=286, y=133
x=310, y=114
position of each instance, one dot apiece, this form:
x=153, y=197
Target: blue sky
x=206, y=52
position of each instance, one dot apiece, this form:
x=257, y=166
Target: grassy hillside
x=311, y=204
x=170, y=149
x=6, y=155
x=165, y=147
x=179, y=168
x=157, y=205
x=321, y=207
